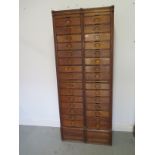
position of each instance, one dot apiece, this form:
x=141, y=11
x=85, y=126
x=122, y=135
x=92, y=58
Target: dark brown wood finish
x=84, y=64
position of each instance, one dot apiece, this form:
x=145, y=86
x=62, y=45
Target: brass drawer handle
x=97, y=61
x=68, y=45
x=68, y=21
x=97, y=37
x=97, y=45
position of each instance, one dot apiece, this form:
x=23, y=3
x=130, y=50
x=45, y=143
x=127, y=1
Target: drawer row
x=87, y=37
x=87, y=45
x=88, y=20
x=88, y=53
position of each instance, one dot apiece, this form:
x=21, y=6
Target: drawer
x=97, y=37
x=74, y=92
x=70, y=76
x=105, y=114
x=97, y=53
x=98, y=106
x=70, y=61
x=97, y=93
x=72, y=134
x=97, y=45
x=103, y=19
x=70, y=123
x=72, y=111
x=72, y=117
x=67, y=14
x=97, y=85
x=103, y=100
x=68, y=38
x=71, y=105
x=97, y=77
x=71, y=99
x=70, y=69
x=67, y=21
x=68, y=30
x=97, y=28
x=92, y=69
x=69, y=46
x=98, y=123
x=69, y=54
x=97, y=61
x=99, y=137
x=77, y=85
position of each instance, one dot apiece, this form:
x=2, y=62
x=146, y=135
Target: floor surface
x=46, y=141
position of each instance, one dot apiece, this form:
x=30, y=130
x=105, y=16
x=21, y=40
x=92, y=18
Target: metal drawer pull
x=97, y=45
x=97, y=37
x=97, y=61
x=68, y=45
x=68, y=21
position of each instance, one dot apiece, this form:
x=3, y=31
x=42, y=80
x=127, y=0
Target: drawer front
x=74, y=92
x=77, y=85
x=97, y=76
x=97, y=61
x=73, y=134
x=72, y=111
x=68, y=30
x=101, y=69
x=63, y=54
x=70, y=123
x=68, y=38
x=70, y=76
x=67, y=21
x=105, y=114
x=69, y=14
x=98, y=106
x=98, y=123
x=97, y=53
x=97, y=85
x=68, y=46
x=103, y=100
x=70, y=61
x=97, y=45
x=71, y=105
x=97, y=37
x=70, y=69
x=104, y=19
x=72, y=117
x=71, y=99
x=97, y=93
x=99, y=137
x=97, y=28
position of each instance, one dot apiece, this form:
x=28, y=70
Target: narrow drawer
x=67, y=21
x=97, y=93
x=97, y=37
x=72, y=123
x=97, y=45
x=102, y=19
x=97, y=77
x=72, y=111
x=74, y=92
x=70, y=69
x=97, y=53
x=98, y=123
x=73, y=54
x=98, y=85
x=105, y=114
x=98, y=106
x=94, y=69
x=73, y=117
x=99, y=137
x=71, y=105
x=97, y=61
x=72, y=134
x=68, y=38
x=97, y=28
x=68, y=30
x=69, y=46
x=69, y=61
x=97, y=99
x=76, y=85
x=70, y=76
x=71, y=99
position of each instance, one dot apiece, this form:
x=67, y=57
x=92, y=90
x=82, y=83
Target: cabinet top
x=84, y=10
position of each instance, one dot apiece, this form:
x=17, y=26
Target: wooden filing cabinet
x=84, y=64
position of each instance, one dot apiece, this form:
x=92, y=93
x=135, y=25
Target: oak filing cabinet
x=84, y=64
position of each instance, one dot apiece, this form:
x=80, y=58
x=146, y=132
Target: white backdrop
x=38, y=88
